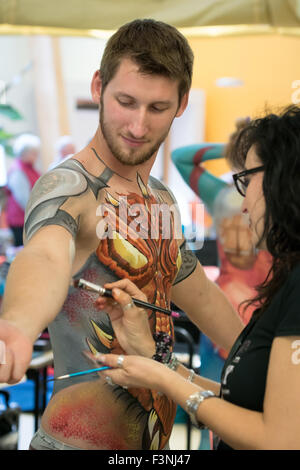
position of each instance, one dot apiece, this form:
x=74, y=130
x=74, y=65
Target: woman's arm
x=132, y=329
x=276, y=428
x=202, y=382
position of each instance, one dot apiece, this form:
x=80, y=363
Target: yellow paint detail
x=128, y=252
x=179, y=261
x=155, y=442
x=142, y=186
x=112, y=200
x=151, y=422
x=92, y=348
x=105, y=338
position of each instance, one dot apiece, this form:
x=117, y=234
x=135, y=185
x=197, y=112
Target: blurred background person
x=65, y=148
x=242, y=267
x=21, y=178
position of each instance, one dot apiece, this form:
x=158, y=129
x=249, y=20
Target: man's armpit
x=49, y=194
x=188, y=263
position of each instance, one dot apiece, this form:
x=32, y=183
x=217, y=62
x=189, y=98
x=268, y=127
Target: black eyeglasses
x=241, y=181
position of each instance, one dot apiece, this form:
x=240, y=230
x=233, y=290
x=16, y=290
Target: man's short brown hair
x=156, y=47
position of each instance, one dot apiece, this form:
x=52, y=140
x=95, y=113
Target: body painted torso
x=87, y=412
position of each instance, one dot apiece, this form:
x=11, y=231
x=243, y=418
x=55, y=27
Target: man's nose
x=138, y=126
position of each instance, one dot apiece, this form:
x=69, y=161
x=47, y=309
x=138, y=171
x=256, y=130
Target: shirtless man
x=76, y=228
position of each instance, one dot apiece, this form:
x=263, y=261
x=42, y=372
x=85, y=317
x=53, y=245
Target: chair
x=185, y=349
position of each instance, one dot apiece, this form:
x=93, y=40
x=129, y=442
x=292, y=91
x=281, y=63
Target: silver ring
x=109, y=380
x=120, y=361
x=130, y=305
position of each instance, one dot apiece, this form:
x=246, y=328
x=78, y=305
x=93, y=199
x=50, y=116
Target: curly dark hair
x=276, y=140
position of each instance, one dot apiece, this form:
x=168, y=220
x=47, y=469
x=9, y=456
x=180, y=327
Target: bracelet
x=192, y=405
x=191, y=376
x=163, y=343
x=173, y=363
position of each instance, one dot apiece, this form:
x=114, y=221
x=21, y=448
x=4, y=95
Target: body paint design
x=144, y=419
x=52, y=190
x=188, y=263
x=152, y=264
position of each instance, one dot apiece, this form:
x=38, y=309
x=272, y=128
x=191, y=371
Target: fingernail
x=99, y=357
x=117, y=291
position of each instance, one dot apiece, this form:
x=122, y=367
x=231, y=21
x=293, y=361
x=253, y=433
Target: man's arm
x=208, y=308
x=38, y=281
x=35, y=290
x=39, y=277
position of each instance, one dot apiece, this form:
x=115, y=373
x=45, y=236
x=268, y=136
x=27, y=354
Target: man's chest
x=136, y=232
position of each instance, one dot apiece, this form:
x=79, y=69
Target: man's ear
x=96, y=87
x=183, y=105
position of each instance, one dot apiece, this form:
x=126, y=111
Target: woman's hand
x=135, y=371
x=130, y=323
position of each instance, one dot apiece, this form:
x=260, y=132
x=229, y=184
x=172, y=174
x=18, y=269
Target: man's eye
x=125, y=103
x=158, y=110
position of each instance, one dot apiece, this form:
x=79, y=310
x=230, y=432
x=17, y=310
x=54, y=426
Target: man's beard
x=133, y=156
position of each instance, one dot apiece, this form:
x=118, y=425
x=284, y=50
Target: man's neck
x=101, y=151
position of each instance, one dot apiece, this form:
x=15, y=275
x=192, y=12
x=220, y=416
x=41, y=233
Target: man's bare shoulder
x=59, y=197
x=62, y=181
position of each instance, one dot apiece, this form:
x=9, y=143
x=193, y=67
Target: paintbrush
x=81, y=283
x=76, y=374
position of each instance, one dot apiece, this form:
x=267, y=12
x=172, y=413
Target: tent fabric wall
x=209, y=17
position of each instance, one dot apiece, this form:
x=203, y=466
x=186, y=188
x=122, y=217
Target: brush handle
x=108, y=293
x=90, y=371
x=76, y=374
x=141, y=303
